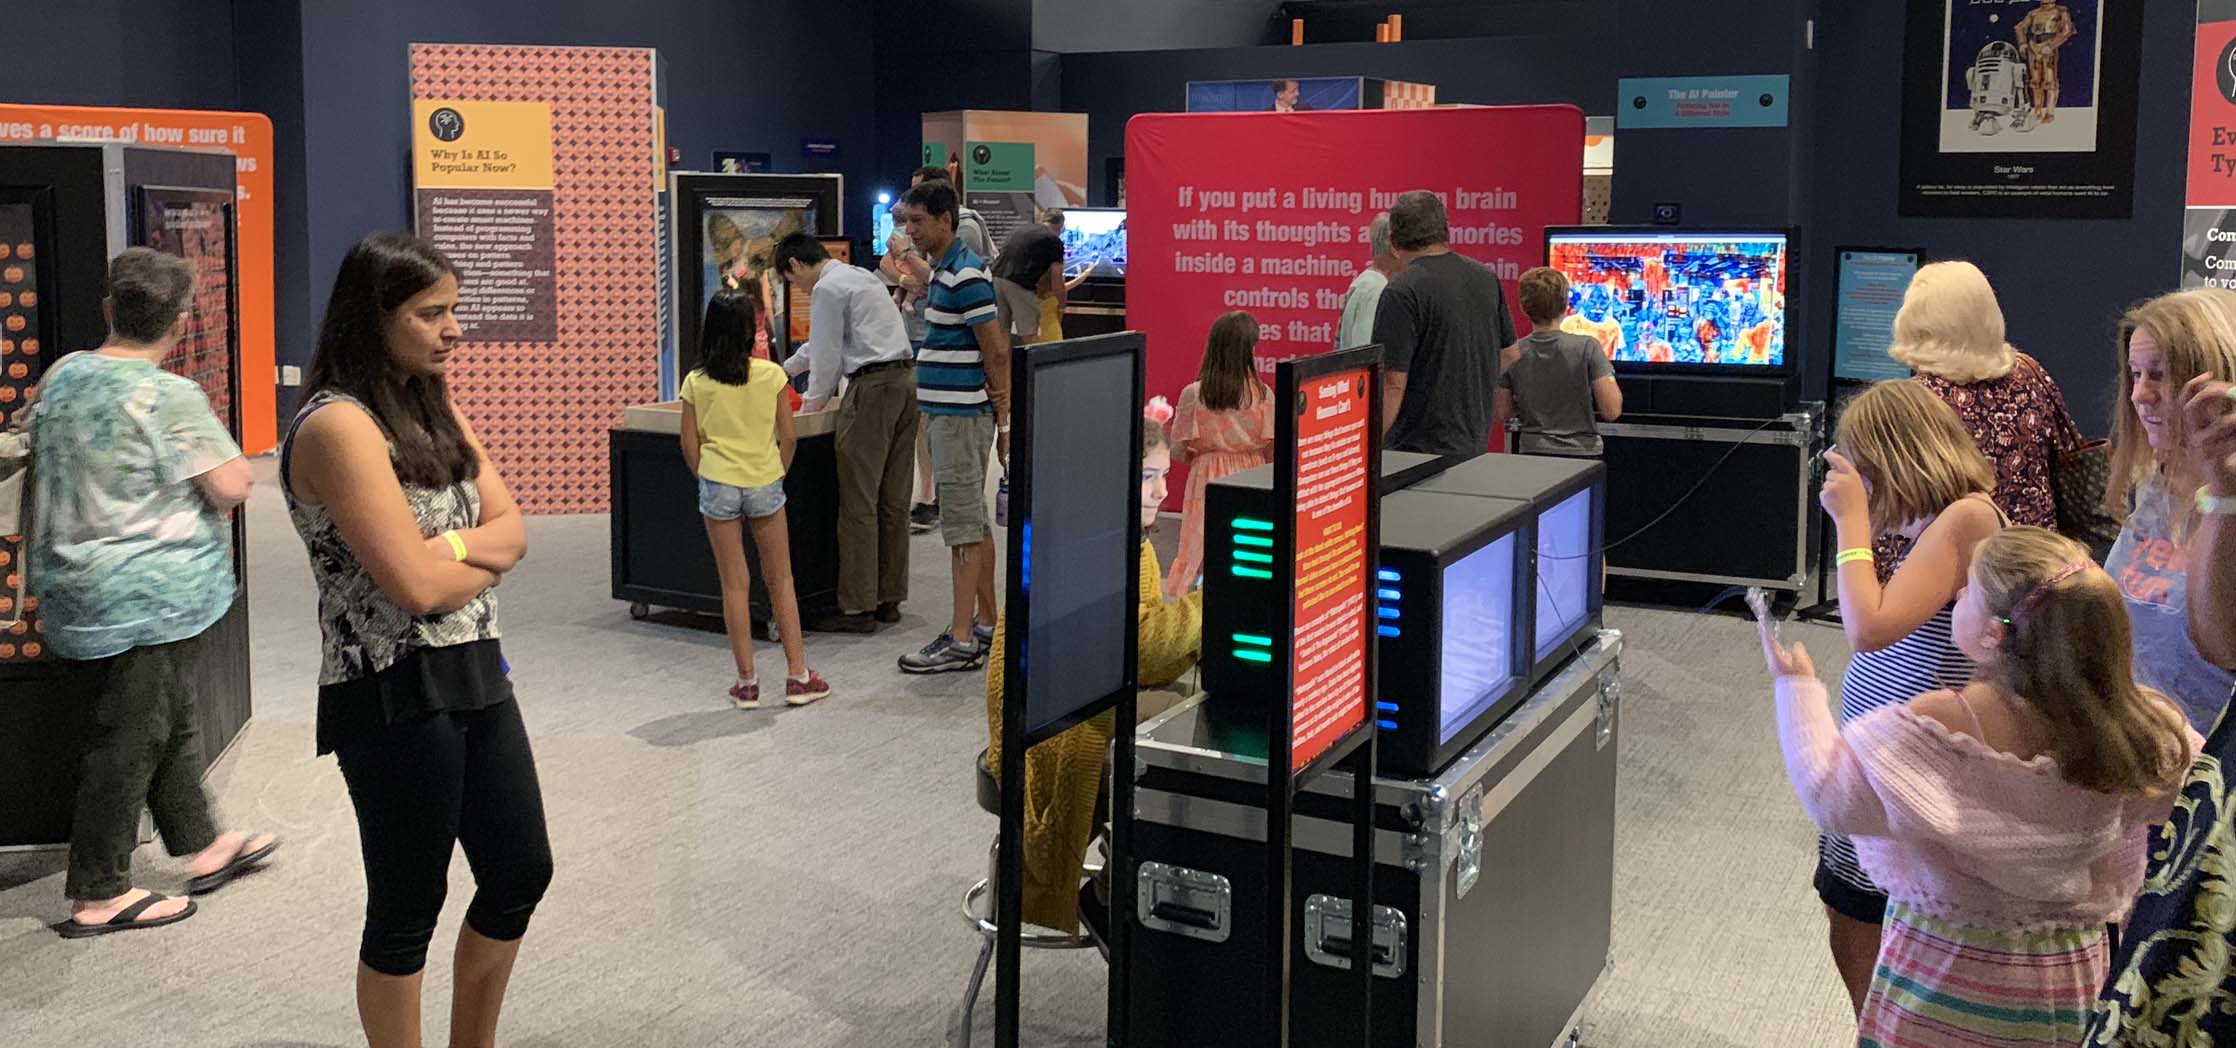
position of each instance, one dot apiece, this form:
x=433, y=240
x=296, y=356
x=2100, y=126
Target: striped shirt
x=1926, y=660
x=950, y=371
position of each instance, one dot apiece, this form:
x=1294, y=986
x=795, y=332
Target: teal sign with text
x=1701, y=101
x=998, y=167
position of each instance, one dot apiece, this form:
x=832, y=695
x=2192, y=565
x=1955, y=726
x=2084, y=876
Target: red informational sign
x=1268, y=212
x=2212, y=115
x=1328, y=653
x=2209, y=217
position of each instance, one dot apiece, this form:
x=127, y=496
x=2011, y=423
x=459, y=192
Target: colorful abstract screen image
x=1677, y=300
x=1095, y=242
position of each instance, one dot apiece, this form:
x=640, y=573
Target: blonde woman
x=1950, y=333
x=1905, y=466
x=2163, y=344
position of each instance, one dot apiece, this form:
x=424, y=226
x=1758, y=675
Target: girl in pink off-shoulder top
x=2006, y=821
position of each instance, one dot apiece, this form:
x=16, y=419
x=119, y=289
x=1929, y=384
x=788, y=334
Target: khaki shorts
x=960, y=445
x=1020, y=308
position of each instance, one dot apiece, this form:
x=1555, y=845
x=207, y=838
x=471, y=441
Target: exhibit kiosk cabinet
x=65, y=210
x=1494, y=890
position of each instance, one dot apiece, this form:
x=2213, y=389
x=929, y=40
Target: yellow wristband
x=2216, y=505
x=1850, y=556
x=457, y=545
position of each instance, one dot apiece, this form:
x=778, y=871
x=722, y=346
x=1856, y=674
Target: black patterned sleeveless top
x=363, y=631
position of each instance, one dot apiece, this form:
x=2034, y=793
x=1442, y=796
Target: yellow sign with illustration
x=481, y=145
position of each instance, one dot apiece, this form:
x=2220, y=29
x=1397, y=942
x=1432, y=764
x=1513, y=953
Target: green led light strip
x=1253, y=656
x=1250, y=524
x=1252, y=638
x=1259, y=541
x=1250, y=573
x=1254, y=558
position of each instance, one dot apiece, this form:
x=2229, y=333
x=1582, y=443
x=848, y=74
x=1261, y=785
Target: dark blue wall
x=744, y=74
x=1510, y=70
x=164, y=54
x=2063, y=284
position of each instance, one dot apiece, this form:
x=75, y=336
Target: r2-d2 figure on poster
x=1998, y=82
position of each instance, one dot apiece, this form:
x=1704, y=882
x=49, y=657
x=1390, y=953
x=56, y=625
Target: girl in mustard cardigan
x=1064, y=774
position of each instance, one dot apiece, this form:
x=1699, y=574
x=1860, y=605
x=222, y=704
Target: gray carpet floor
x=791, y=877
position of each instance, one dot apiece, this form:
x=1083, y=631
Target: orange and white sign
x=248, y=136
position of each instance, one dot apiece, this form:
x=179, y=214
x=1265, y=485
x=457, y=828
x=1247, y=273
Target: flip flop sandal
x=126, y=919
x=242, y=862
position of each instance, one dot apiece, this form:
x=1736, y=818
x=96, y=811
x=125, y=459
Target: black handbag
x=2078, y=480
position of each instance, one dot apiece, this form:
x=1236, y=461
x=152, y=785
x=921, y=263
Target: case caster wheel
x=1576, y=1038
x=639, y=610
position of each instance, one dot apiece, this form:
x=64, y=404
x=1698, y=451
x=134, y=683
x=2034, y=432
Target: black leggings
x=466, y=777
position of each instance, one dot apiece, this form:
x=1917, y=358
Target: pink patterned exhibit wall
x=543, y=408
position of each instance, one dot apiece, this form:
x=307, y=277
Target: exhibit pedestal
x=660, y=553
x=1494, y=897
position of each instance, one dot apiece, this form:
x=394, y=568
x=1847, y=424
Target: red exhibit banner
x=1267, y=212
x=2209, y=217
x=1328, y=645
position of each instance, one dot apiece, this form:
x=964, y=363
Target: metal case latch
x=1610, y=696
x=1327, y=935
x=1469, y=846
x=1185, y=902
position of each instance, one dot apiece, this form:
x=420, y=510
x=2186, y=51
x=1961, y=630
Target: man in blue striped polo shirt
x=962, y=385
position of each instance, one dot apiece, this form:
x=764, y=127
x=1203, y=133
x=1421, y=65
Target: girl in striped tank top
x=1904, y=465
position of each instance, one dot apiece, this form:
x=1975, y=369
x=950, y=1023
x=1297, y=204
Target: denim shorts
x=719, y=501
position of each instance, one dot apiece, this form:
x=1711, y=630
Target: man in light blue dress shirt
x=855, y=331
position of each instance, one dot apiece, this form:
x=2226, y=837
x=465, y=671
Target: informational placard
x=197, y=225
x=482, y=176
x=2209, y=215
x=998, y=184
x=1868, y=294
x=1670, y=102
x=19, y=356
x=1328, y=656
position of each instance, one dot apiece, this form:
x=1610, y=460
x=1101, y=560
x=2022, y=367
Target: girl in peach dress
x=1223, y=425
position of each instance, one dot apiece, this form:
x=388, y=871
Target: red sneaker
x=746, y=695
x=802, y=692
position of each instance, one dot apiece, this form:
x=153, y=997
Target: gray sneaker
x=982, y=633
x=943, y=656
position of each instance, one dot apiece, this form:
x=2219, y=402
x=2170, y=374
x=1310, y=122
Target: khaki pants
x=876, y=442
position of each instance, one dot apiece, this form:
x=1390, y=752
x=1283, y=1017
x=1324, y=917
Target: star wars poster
x=2020, y=108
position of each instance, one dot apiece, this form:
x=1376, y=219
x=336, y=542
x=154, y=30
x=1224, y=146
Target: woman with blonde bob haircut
x=1950, y=333
x=1904, y=466
x=2165, y=344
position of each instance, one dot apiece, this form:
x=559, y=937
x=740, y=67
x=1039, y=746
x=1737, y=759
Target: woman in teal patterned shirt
x=131, y=560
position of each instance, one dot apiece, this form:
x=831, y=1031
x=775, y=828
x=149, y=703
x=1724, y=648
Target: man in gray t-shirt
x=1554, y=380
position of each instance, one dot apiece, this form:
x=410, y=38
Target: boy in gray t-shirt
x=1555, y=380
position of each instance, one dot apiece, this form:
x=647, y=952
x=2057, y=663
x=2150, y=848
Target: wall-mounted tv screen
x=1095, y=242
x=1675, y=300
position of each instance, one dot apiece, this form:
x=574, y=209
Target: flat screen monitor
x=1085, y=489
x=1566, y=573
x=1095, y=242
x=1677, y=301
x=1478, y=665
x=881, y=229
